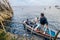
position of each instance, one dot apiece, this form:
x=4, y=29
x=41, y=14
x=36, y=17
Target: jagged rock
x=5, y=10
x=6, y=36
x=1, y=19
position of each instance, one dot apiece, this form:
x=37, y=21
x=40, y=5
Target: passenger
x=37, y=24
x=29, y=23
x=43, y=21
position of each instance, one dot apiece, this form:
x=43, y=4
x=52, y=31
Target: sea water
x=21, y=13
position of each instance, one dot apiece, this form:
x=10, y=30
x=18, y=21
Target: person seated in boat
x=37, y=25
x=29, y=22
x=43, y=22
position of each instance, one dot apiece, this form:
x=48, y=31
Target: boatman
x=43, y=22
x=37, y=25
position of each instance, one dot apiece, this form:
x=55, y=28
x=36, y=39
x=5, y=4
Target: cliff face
x=6, y=13
x=5, y=10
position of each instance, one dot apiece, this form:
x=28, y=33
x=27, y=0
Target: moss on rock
x=6, y=36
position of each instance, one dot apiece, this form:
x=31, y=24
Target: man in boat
x=37, y=25
x=29, y=22
x=43, y=22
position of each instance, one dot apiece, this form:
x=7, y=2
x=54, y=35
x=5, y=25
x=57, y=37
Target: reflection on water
x=21, y=13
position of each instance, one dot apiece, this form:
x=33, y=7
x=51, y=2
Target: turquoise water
x=21, y=13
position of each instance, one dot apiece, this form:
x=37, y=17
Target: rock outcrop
x=5, y=10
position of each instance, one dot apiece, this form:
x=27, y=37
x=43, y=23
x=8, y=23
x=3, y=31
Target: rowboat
x=50, y=34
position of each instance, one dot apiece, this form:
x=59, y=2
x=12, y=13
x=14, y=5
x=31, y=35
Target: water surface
x=21, y=13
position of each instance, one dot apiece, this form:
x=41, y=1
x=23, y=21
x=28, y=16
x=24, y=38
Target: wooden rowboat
x=49, y=35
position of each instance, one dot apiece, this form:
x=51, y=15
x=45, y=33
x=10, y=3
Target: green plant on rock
x=5, y=36
x=13, y=39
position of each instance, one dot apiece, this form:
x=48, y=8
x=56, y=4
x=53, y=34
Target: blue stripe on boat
x=50, y=32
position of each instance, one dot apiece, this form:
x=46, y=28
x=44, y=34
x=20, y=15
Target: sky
x=34, y=2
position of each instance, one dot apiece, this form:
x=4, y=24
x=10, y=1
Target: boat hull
x=38, y=33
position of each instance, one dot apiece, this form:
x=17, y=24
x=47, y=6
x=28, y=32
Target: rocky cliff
x=5, y=10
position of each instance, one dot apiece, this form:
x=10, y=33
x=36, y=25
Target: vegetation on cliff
x=6, y=36
x=5, y=14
